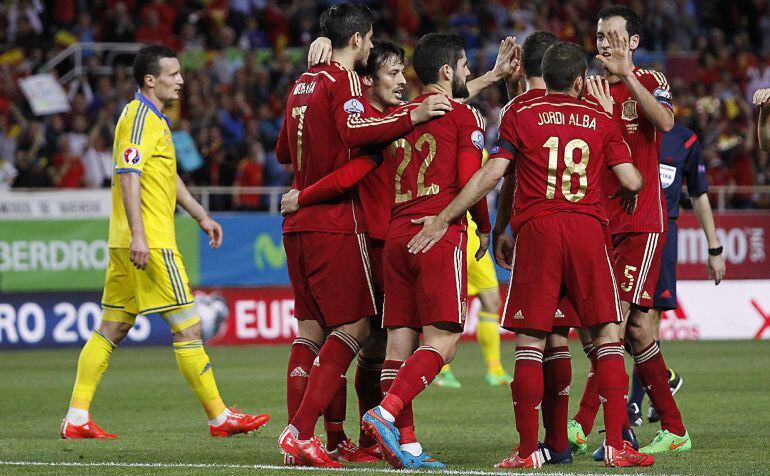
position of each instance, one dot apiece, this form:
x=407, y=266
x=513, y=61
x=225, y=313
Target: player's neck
x=345, y=57
x=375, y=103
x=535, y=82
x=152, y=98
x=438, y=88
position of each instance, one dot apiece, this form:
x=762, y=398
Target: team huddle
x=375, y=236
x=387, y=218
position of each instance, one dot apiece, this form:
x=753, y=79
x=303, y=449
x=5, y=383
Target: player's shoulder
x=683, y=135
x=652, y=77
x=468, y=114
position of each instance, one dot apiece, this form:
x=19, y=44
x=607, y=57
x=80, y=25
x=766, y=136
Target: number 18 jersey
x=561, y=144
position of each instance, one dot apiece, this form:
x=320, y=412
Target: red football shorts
x=425, y=288
x=376, y=248
x=556, y=256
x=330, y=276
x=637, y=264
x=566, y=315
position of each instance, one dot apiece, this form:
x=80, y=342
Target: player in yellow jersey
x=145, y=273
x=482, y=282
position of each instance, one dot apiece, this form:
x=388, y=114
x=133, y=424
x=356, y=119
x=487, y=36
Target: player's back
x=143, y=146
x=376, y=192
x=562, y=145
x=317, y=149
x=423, y=168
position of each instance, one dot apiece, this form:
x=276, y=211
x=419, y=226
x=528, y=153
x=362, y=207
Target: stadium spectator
x=67, y=170
x=98, y=159
x=250, y=173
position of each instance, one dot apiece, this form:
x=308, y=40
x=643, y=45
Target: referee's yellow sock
x=488, y=338
x=195, y=366
x=93, y=361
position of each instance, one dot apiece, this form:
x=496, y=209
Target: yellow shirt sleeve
x=134, y=140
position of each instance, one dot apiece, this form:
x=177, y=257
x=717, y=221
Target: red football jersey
x=376, y=192
x=644, y=139
x=423, y=168
x=324, y=120
x=561, y=145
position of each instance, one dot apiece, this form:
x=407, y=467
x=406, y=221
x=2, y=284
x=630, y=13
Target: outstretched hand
x=433, y=229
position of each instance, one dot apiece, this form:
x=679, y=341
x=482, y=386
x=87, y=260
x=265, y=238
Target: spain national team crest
x=629, y=110
x=132, y=156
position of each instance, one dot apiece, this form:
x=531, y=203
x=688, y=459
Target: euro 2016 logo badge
x=628, y=113
x=132, y=156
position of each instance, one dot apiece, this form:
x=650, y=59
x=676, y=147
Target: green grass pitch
x=725, y=402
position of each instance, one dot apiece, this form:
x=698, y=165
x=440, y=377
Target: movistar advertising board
x=251, y=254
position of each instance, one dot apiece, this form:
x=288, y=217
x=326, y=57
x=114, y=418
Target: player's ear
x=149, y=80
x=446, y=73
x=633, y=42
x=355, y=40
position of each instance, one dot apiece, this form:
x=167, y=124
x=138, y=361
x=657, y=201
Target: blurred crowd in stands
x=240, y=57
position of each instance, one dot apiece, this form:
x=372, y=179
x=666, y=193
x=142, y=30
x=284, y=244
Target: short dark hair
x=633, y=22
x=382, y=51
x=562, y=63
x=433, y=51
x=344, y=20
x=147, y=61
x=533, y=50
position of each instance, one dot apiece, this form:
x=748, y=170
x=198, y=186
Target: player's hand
x=320, y=52
x=433, y=229
x=761, y=97
x=502, y=248
x=517, y=68
x=504, y=64
x=599, y=88
x=433, y=106
x=619, y=62
x=290, y=202
x=213, y=229
x=627, y=199
x=139, y=252
x=483, y=245
x=716, y=268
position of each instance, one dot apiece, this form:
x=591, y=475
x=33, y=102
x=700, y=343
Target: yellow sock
x=446, y=368
x=93, y=361
x=489, y=339
x=196, y=368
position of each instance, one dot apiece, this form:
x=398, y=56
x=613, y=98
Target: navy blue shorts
x=665, y=291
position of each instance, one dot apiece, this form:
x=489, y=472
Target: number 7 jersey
x=561, y=145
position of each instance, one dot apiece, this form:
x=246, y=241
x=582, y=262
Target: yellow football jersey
x=143, y=145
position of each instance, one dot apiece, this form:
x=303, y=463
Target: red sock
x=414, y=377
x=613, y=391
x=334, y=416
x=405, y=419
x=368, y=391
x=557, y=376
x=589, y=402
x=527, y=391
x=303, y=352
x=653, y=373
x=333, y=361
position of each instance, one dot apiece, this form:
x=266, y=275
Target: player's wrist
x=715, y=250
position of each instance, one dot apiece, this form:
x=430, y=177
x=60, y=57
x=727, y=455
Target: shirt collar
x=143, y=99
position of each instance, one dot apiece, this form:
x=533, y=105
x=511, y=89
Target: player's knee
x=636, y=331
x=192, y=332
x=490, y=302
x=114, y=331
x=375, y=347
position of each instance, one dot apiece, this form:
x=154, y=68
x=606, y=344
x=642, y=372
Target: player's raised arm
x=615, y=57
x=185, y=200
x=762, y=101
x=507, y=62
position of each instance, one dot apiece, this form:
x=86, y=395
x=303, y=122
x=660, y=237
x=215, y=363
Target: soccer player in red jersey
x=643, y=110
x=560, y=145
x=326, y=248
x=557, y=367
x=427, y=168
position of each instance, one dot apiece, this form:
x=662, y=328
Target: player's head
x=383, y=74
x=621, y=19
x=533, y=50
x=439, y=58
x=564, y=68
x=157, y=71
x=349, y=26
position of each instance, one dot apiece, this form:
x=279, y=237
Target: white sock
x=414, y=449
x=386, y=414
x=221, y=418
x=77, y=416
